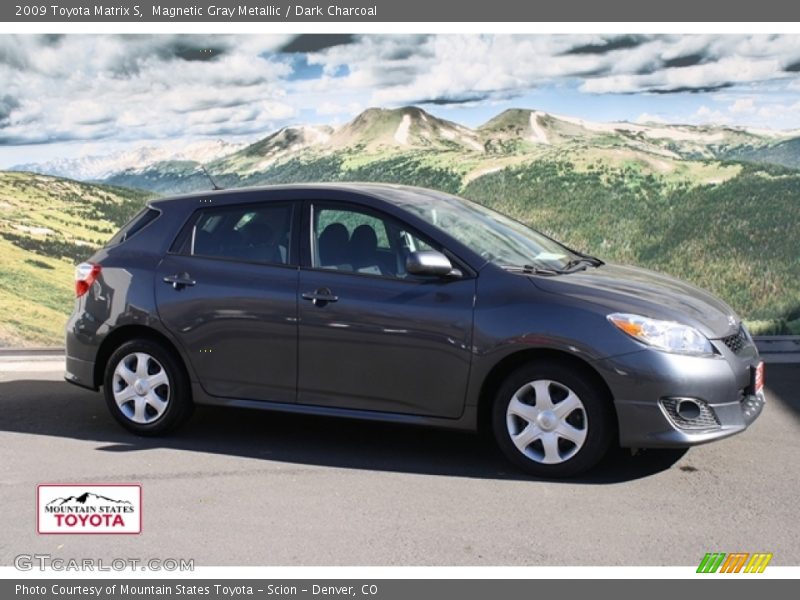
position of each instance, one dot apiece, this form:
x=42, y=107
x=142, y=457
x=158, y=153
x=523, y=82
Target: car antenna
x=214, y=185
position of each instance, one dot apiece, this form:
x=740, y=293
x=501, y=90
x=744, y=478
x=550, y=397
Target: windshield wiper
x=572, y=266
x=531, y=270
x=582, y=260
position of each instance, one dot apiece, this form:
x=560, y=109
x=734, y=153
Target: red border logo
x=88, y=508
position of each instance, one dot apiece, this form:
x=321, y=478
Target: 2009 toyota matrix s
x=408, y=305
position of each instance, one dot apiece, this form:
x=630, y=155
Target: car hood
x=639, y=291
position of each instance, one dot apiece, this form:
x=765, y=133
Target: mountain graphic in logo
x=86, y=499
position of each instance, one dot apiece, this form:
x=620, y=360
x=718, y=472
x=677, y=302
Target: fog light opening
x=690, y=413
x=688, y=409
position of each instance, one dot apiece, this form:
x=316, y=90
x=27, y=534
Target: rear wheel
x=146, y=388
x=552, y=420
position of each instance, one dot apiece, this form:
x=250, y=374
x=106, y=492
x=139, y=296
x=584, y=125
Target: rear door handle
x=179, y=280
x=320, y=297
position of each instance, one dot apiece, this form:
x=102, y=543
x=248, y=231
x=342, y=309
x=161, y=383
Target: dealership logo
x=735, y=562
x=76, y=508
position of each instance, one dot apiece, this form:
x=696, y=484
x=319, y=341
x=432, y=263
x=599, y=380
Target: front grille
x=736, y=342
x=707, y=419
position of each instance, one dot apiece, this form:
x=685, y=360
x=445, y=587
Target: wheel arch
x=509, y=363
x=124, y=334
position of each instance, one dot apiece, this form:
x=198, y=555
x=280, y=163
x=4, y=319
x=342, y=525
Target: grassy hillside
x=47, y=225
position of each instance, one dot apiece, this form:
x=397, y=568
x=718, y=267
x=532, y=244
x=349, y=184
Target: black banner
x=394, y=11
x=387, y=589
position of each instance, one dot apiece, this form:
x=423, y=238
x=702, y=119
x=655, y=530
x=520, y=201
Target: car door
x=371, y=336
x=228, y=293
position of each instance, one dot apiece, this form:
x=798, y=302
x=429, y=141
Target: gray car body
x=421, y=351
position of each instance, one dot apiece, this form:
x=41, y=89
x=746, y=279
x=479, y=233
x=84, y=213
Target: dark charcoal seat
x=333, y=247
x=364, y=250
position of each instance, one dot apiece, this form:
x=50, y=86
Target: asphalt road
x=249, y=488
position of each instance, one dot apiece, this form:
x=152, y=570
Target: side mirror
x=429, y=262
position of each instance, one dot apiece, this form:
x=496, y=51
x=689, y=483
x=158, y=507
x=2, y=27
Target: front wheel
x=552, y=420
x=146, y=389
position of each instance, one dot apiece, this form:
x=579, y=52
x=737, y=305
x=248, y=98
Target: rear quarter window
x=142, y=219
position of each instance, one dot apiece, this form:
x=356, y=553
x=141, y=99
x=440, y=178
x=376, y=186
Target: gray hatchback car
x=401, y=304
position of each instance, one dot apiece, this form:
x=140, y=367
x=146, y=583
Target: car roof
x=394, y=193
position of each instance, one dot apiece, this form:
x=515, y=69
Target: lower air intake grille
x=705, y=419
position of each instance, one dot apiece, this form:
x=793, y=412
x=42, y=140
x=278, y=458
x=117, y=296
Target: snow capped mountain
x=513, y=136
x=95, y=168
x=85, y=499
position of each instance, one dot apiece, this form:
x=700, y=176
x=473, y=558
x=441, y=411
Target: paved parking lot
x=251, y=488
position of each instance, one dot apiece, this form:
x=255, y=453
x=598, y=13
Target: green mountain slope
x=47, y=225
x=785, y=153
x=164, y=177
x=738, y=238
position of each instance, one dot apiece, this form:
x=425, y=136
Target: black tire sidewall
x=596, y=402
x=180, y=404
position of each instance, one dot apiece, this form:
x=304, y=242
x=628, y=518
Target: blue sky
x=64, y=96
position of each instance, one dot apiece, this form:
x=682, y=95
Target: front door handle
x=180, y=280
x=320, y=297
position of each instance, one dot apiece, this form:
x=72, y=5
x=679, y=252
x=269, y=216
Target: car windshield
x=497, y=238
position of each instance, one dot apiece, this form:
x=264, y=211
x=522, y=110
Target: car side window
x=252, y=233
x=356, y=241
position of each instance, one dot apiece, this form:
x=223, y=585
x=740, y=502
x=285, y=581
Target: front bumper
x=643, y=383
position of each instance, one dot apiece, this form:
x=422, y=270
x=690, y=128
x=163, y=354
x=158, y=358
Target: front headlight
x=664, y=335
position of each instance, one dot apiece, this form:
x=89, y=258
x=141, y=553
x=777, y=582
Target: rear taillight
x=85, y=275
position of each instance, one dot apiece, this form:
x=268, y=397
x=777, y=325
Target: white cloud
x=704, y=114
x=743, y=106
x=777, y=112
x=135, y=87
x=722, y=73
x=403, y=69
x=87, y=87
x=337, y=108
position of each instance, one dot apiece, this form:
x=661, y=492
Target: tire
x=146, y=388
x=541, y=434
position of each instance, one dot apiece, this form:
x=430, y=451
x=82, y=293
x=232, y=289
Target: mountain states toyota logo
x=77, y=508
